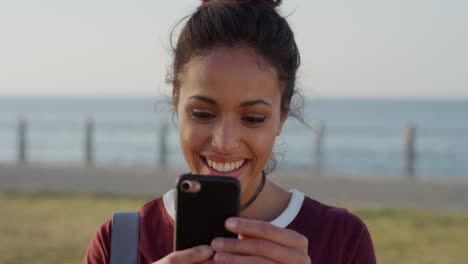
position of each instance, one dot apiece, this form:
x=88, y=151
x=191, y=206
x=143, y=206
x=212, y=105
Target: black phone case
x=200, y=216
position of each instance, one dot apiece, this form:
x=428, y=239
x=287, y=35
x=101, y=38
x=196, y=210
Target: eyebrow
x=204, y=99
x=254, y=102
x=244, y=104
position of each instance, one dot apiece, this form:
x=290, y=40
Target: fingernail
x=206, y=251
x=232, y=223
x=218, y=243
x=219, y=256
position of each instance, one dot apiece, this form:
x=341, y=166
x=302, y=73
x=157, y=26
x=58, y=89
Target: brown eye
x=253, y=120
x=201, y=115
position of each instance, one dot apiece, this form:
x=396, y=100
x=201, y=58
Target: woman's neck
x=269, y=204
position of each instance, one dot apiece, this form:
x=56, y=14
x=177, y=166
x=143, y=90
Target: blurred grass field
x=56, y=228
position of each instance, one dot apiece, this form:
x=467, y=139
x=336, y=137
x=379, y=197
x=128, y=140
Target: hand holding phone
x=203, y=203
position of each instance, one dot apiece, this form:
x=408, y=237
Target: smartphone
x=203, y=203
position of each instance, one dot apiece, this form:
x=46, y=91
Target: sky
x=390, y=49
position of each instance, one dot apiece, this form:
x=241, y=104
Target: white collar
x=283, y=220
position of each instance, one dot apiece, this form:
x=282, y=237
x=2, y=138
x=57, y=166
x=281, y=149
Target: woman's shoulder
x=151, y=213
x=335, y=230
x=329, y=214
x=315, y=215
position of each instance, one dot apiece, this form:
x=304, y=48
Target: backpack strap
x=125, y=237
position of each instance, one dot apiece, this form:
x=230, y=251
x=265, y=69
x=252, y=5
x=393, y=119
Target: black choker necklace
x=257, y=193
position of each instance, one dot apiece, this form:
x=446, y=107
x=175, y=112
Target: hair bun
x=271, y=3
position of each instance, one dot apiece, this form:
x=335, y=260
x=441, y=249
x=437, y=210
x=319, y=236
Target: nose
x=226, y=137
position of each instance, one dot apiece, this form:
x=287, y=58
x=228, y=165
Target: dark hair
x=254, y=23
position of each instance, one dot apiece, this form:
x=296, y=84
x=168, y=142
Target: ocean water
x=360, y=136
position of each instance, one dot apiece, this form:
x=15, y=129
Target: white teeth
x=241, y=163
x=226, y=167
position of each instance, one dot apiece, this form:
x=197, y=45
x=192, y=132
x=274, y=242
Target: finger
x=260, y=247
x=227, y=258
x=192, y=255
x=260, y=229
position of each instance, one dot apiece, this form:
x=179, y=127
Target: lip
x=234, y=173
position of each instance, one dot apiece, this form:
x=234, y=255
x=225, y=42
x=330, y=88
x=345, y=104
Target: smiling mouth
x=224, y=167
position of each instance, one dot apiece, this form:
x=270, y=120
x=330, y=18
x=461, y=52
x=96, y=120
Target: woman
x=234, y=75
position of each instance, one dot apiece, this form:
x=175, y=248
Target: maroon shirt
x=335, y=235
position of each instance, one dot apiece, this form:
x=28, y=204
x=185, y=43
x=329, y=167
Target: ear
x=175, y=99
x=283, y=118
x=280, y=128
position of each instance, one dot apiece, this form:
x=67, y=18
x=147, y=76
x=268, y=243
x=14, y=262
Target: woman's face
x=229, y=114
